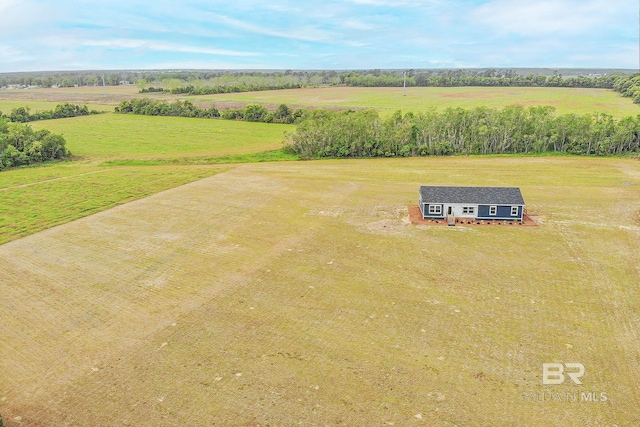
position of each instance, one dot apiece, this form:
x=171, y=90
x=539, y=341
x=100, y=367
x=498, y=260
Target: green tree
x=255, y=113
x=283, y=114
x=20, y=115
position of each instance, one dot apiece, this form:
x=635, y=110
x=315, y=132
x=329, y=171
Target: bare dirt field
x=300, y=293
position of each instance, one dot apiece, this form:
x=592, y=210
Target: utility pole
x=404, y=86
x=104, y=86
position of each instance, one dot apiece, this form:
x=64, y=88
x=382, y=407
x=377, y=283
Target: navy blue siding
x=503, y=212
x=425, y=212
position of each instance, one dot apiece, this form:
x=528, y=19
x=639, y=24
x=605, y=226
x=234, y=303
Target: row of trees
x=64, y=110
x=21, y=145
x=65, y=78
x=250, y=113
x=456, y=78
x=513, y=129
x=213, y=90
x=200, y=82
x=629, y=86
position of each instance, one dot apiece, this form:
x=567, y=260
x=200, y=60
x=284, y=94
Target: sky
x=317, y=34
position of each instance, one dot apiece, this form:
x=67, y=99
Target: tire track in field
x=30, y=184
x=189, y=310
x=75, y=262
x=624, y=320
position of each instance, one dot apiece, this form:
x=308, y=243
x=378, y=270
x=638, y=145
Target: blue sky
x=327, y=34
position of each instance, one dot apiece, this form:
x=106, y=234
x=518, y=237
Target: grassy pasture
x=92, y=96
x=213, y=304
x=121, y=136
x=6, y=105
x=565, y=100
x=40, y=198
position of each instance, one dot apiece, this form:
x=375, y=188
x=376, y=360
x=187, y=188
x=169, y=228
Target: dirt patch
x=387, y=226
x=470, y=95
x=415, y=215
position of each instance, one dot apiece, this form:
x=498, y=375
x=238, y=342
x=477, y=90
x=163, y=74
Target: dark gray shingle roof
x=472, y=195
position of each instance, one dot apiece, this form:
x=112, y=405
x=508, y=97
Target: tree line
x=213, y=90
x=64, y=110
x=21, y=145
x=201, y=81
x=250, y=113
x=457, y=78
x=481, y=130
x=629, y=86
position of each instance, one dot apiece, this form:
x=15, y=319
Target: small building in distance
x=477, y=203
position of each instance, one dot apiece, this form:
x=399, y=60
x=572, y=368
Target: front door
x=450, y=210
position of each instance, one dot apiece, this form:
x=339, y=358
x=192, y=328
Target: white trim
x=435, y=209
x=516, y=213
x=468, y=210
x=493, y=210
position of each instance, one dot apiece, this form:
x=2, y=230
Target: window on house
x=514, y=211
x=435, y=209
x=493, y=210
x=468, y=209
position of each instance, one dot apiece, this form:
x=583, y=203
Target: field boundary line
x=54, y=179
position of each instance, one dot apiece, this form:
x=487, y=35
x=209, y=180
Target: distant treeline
x=64, y=110
x=457, y=78
x=376, y=78
x=629, y=86
x=212, y=90
x=513, y=129
x=21, y=145
x=210, y=82
x=250, y=113
x=153, y=90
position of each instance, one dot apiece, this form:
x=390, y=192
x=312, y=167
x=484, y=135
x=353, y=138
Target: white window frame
x=493, y=210
x=435, y=210
x=514, y=211
x=468, y=210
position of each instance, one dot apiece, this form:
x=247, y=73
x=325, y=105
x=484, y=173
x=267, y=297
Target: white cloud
x=11, y=54
x=356, y=24
x=543, y=17
x=165, y=47
x=6, y=4
x=398, y=3
x=306, y=33
x=622, y=57
x=66, y=34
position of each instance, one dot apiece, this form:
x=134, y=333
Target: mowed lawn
x=126, y=136
x=298, y=293
x=37, y=198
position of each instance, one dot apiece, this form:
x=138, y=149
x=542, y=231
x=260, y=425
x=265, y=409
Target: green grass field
x=122, y=136
x=299, y=293
x=146, y=285
x=565, y=100
x=113, y=140
x=40, y=198
x=37, y=198
x=6, y=105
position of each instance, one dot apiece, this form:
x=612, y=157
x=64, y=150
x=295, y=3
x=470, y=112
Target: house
x=477, y=203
